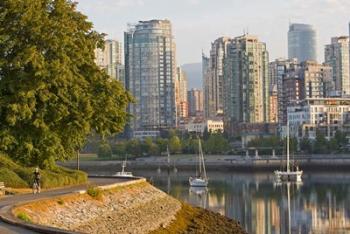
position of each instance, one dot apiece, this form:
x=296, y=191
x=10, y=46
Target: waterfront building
x=213, y=78
x=337, y=56
x=302, y=42
x=195, y=102
x=326, y=115
x=181, y=94
x=246, y=81
x=150, y=73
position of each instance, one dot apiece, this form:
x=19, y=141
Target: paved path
x=12, y=200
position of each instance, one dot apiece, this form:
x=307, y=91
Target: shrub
x=60, y=202
x=23, y=216
x=16, y=176
x=11, y=179
x=94, y=193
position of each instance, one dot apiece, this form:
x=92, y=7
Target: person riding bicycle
x=37, y=178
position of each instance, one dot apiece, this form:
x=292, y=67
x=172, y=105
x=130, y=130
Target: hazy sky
x=196, y=23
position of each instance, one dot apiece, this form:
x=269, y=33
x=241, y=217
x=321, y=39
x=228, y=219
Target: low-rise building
x=199, y=126
x=326, y=115
x=147, y=133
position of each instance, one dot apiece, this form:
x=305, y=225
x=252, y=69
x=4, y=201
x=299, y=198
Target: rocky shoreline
x=137, y=208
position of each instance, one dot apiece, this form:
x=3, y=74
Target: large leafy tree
x=52, y=94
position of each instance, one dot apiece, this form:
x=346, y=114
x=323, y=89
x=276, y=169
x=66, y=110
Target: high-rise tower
x=246, y=81
x=337, y=56
x=302, y=42
x=150, y=71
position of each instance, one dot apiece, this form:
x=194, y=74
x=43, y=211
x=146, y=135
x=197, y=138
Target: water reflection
x=320, y=205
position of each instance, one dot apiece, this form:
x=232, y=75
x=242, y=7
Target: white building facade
x=326, y=115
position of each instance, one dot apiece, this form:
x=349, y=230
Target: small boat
x=201, y=179
x=124, y=173
x=288, y=174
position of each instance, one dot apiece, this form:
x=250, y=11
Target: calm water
x=321, y=204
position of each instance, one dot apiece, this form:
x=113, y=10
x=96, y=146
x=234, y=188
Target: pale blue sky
x=196, y=23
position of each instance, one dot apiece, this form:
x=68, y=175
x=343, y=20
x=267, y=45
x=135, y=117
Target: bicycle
x=36, y=187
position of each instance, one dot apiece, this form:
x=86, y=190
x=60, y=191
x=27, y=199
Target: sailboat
x=201, y=179
x=124, y=173
x=289, y=175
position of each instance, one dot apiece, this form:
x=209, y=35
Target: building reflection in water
x=317, y=206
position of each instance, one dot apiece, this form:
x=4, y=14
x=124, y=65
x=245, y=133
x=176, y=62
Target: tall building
x=195, y=102
x=247, y=83
x=337, y=56
x=278, y=71
x=273, y=115
x=181, y=93
x=213, y=80
x=308, y=80
x=302, y=42
x=110, y=59
x=150, y=73
x=206, y=83
x=317, y=78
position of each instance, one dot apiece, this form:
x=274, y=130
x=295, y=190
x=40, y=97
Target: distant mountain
x=194, y=75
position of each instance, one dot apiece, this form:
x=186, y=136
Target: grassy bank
x=197, y=220
x=17, y=176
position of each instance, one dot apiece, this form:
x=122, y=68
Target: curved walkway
x=10, y=201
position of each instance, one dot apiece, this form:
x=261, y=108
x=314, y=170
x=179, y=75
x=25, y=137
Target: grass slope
x=191, y=220
x=16, y=176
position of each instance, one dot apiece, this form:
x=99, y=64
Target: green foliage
x=119, y=149
x=162, y=144
x=149, y=147
x=104, y=150
x=190, y=146
x=305, y=145
x=133, y=147
x=24, y=217
x=320, y=144
x=62, y=177
x=175, y=145
x=11, y=179
x=95, y=193
x=14, y=175
x=216, y=144
x=52, y=93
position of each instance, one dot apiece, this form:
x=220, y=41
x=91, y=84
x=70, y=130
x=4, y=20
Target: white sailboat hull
x=198, y=182
x=289, y=175
x=124, y=174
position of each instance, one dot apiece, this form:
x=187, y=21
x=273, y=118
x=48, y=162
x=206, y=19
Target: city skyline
x=195, y=19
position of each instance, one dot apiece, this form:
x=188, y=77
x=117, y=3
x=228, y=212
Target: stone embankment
x=133, y=207
x=138, y=208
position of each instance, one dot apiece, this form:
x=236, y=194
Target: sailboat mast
x=288, y=146
x=202, y=156
x=199, y=157
x=167, y=149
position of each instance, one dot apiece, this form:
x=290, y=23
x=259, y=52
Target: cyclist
x=37, y=177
